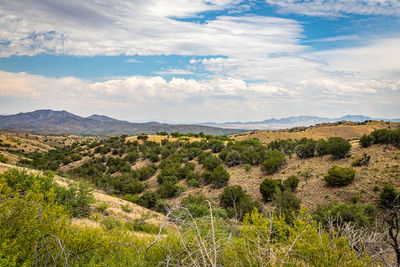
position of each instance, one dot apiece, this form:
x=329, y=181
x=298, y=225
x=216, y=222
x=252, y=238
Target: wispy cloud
x=338, y=8
x=132, y=60
x=174, y=72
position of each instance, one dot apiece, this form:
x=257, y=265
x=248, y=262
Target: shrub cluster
x=340, y=176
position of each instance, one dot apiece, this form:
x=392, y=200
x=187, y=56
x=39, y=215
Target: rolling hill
x=49, y=122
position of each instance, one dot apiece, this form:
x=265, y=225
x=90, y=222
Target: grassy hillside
x=207, y=180
x=347, y=130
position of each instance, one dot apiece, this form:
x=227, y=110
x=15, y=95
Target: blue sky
x=191, y=61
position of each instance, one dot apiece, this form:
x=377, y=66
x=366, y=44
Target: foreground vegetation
x=233, y=229
x=36, y=230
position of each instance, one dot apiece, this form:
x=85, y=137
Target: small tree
x=269, y=187
x=321, y=147
x=366, y=140
x=273, y=160
x=291, y=183
x=338, y=147
x=219, y=177
x=340, y=176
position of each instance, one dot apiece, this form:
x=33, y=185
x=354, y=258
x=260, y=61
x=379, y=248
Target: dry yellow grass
x=346, y=130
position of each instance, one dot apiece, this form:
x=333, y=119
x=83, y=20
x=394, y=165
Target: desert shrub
x=366, y=140
x=338, y=147
x=269, y=187
x=340, y=176
x=146, y=172
x=206, y=177
x=168, y=190
x=287, y=204
x=361, y=160
x=197, y=205
x=211, y=162
x=140, y=225
x=291, y=183
x=219, y=177
x=111, y=223
x=77, y=198
x=101, y=207
x=305, y=148
x=237, y=202
x=132, y=157
x=382, y=136
x=169, y=179
x=194, y=182
x=3, y=159
x=232, y=158
x=126, y=183
x=321, y=147
x=162, y=206
x=361, y=215
x=273, y=160
x=389, y=197
x=143, y=137
x=216, y=146
x=131, y=198
x=247, y=167
x=148, y=199
x=126, y=208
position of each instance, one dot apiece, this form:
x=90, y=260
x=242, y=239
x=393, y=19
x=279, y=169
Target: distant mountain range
x=284, y=123
x=49, y=122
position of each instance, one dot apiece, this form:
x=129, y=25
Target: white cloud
x=338, y=7
x=132, y=60
x=219, y=99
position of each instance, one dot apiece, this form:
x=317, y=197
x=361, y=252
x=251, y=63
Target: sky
x=200, y=61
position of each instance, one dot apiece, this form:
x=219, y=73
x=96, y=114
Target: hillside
x=347, y=130
x=290, y=122
x=196, y=180
x=49, y=122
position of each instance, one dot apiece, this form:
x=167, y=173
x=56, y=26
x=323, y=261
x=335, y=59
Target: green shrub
x=168, y=190
x=291, y=183
x=211, y=162
x=340, y=176
x=273, y=160
x=219, y=177
x=338, y=147
x=162, y=206
x=361, y=160
x=269, y=187
x=366, y=140
x=131, y=198
x=194, y=182
x=101, y=207
x=287, y=204
x=305, y=148
x=247, y=167
x=132, y=157
x=126, y=208
x=361, y=215
x=111, y=223
x=389, y=197
x=382, y=136
x=321, y=147
x=3, y=159
x=237, y=202
x=206, y=177
x=148, y=199
x=142, y=137
x=170, y=179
